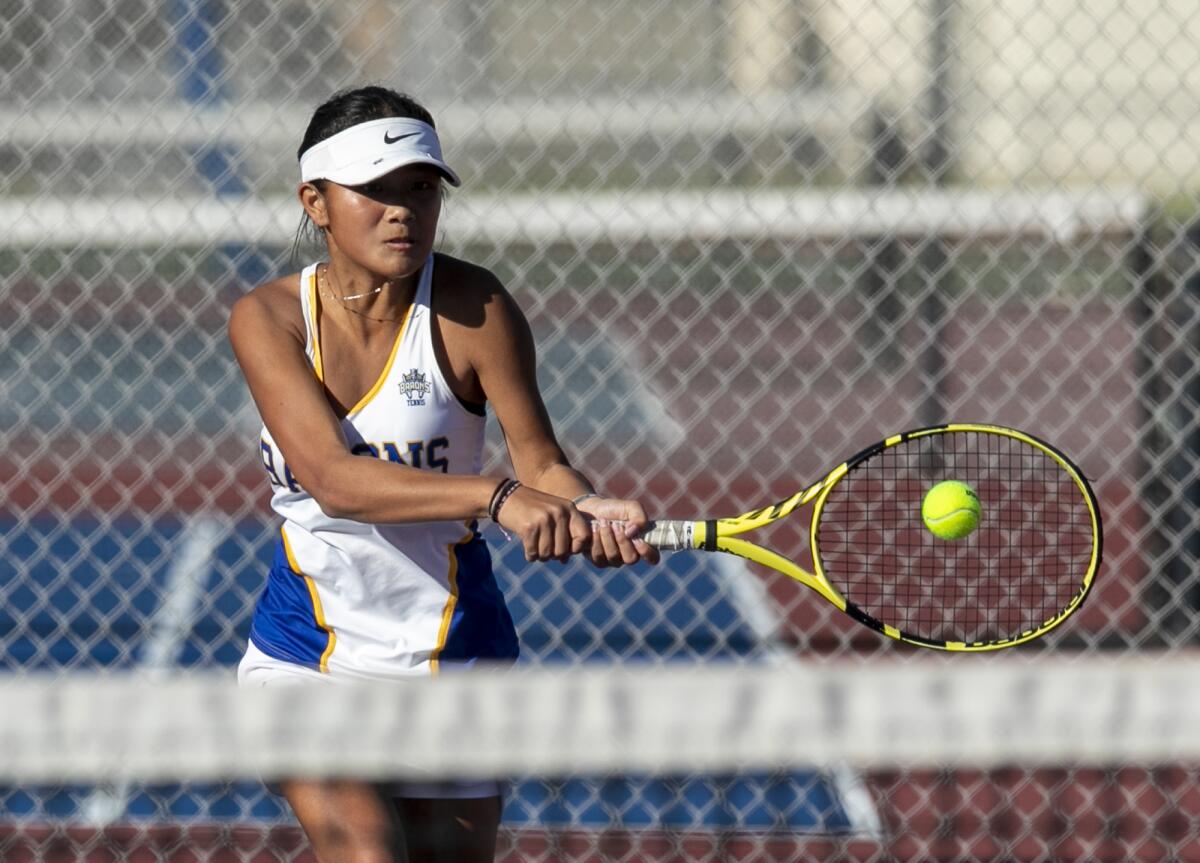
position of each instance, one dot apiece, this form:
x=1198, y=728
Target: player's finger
x=641, y=549
x=530, y=541
x=581, y=532
x=648, y=552
x=563, y=540
x=635, y=519
x=627, y=553
x=546, y=540
x=604, y=544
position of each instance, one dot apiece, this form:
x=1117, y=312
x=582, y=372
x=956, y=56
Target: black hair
x=347, y=108
x=341, y=111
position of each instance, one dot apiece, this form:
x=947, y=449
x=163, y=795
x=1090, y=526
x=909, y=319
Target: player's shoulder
x=466, y=292
x=473, y=306
x=466, y=280
x=272, y=304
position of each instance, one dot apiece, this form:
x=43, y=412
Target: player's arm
x=268, y=340
x=505, y=361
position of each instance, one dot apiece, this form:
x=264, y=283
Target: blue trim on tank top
x=285, y=622
x=481, y=627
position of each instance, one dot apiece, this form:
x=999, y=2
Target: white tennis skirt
x=259, y=669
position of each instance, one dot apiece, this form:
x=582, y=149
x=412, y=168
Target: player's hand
x=549, y=527
x=616, y=531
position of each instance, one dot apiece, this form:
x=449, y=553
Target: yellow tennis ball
x=950, y=510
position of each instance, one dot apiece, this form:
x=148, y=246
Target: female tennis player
x=371, y=371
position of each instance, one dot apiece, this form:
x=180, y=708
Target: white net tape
x=981, y=713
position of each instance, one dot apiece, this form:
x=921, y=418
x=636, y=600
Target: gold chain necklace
x=341, y=301
x=329, y=279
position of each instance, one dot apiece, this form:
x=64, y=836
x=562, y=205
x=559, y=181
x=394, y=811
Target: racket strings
x=1019, y=569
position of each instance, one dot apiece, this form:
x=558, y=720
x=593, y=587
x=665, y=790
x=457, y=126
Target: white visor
x=369, y=150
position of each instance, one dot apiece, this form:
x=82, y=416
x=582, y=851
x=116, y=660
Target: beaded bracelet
x=502, y=493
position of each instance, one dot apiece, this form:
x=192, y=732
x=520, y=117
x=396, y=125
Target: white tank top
x=384, y=601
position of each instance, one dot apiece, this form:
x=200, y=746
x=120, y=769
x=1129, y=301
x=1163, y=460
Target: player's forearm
x=557, y=478
x=381, y=492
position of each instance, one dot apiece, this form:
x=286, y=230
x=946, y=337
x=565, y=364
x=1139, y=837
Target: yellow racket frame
x=722, y=535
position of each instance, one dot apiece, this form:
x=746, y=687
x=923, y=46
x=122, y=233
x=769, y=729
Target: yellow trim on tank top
x=387, y=368
x=451, y=601
x=318, y=610
x=318, y=365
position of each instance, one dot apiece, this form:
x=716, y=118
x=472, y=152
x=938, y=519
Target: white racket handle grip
x=669, y=535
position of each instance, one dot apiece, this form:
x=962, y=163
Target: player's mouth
x=403, y=244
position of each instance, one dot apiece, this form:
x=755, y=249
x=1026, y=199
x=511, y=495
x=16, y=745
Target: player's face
x=388, y=225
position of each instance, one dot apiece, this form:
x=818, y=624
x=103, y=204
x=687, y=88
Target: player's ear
x=313, y=202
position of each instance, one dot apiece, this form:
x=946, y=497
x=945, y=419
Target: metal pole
x=880, y=281
x=937, y=161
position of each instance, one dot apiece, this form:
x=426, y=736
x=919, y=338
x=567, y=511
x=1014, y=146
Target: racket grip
x=669, y=535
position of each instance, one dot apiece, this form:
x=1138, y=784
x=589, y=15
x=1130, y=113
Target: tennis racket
x=1028, y=566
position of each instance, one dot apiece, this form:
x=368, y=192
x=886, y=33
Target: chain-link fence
x=752, y=236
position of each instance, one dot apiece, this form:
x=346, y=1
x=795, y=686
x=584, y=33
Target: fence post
x=1169, y=396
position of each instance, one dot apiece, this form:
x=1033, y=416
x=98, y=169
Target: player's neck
x=363, y=302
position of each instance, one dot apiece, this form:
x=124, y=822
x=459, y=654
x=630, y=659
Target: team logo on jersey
x=415, y=387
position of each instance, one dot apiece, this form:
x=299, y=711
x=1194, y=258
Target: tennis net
x=1013, y=757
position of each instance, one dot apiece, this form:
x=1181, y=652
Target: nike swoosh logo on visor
x=387, y=139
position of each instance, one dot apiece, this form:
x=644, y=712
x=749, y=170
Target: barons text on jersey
x=415, y=387
x=428, y=454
